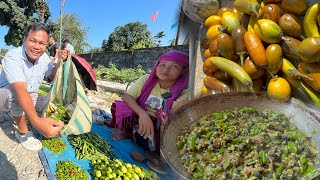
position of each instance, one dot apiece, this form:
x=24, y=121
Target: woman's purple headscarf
x=120, y=110
x=176, y=90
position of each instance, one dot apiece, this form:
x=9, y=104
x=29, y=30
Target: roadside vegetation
x=112, y=73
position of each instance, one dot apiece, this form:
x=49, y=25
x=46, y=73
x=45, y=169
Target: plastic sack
x=68, y=90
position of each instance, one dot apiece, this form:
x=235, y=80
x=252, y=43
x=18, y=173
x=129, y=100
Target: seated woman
x=147, y=103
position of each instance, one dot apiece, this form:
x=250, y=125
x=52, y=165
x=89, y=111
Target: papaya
x=205, y=44
x=291, y=26
x=279, y=89
x=254, y=71
x=238, y=39
x=313, y=81
x=309, y=49
x=255, y=48
x=237, y=13
x=205, y=91
x=225, y=46
x=254, y=19
x=272, y=12
x=247, y=6
x=268, y=31
x=308, y=68
x=212, y=83
x=274, y=58
x=208, y=68
x=213, y=47
x=223, y=10
x=290, y=49
x=214, y=31
x=211, y=21
x=298, y=7
x=230, y=20
x=207, y=54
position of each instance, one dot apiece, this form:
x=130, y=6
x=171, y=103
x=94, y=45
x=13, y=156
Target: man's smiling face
x=36, y=44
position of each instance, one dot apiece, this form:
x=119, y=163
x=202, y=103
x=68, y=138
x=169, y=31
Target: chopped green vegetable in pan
x=246, y=144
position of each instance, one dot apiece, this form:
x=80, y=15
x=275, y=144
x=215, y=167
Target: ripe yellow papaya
x=230, y=20
x=309, y=49
x=212, y=83
x=268, y=31
x=274, y=58
x=214, y=31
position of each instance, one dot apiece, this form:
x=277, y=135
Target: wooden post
x=195, y=61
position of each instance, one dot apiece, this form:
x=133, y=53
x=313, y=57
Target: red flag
x=154, y=16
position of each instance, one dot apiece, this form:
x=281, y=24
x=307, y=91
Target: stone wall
x=131, y=59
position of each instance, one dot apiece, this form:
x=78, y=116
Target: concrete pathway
x=15, y=161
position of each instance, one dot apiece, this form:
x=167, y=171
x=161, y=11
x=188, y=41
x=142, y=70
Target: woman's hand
x=146, y=128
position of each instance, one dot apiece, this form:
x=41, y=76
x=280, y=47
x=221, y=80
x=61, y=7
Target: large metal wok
x=306, y=119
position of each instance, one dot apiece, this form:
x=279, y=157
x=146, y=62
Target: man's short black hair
x=66, y=41
x=37, y=26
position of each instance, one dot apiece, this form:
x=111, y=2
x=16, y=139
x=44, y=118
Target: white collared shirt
x=17, y=68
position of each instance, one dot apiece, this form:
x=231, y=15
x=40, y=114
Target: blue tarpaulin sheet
x=122, y=150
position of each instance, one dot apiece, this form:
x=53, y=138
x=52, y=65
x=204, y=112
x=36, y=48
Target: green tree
x=133, y=35
x=17, y=14
x=72, y=29
x=3, y=52
x=159, y=37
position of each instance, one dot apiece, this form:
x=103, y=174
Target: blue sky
x=103, y=16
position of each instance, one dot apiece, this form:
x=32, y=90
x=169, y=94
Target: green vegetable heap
x=54, y=144
x=68, y=170
x=106, y=168
x=246, y=144
x=58, y=112
x=89, y=144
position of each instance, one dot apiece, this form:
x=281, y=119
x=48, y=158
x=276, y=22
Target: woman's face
x=168, y=71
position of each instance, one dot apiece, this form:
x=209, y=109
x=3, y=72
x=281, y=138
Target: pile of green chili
x=54, y=144
x=68, y=170
x=246, y=144
x=88, y=144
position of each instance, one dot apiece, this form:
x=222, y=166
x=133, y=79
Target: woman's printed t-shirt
x=155, y=100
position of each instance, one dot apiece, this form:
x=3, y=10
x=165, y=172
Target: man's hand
x=48, y=127
x=146, y=128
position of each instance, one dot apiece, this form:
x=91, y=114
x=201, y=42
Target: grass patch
x=118, y=75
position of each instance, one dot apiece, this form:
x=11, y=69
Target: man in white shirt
x=23, y=70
